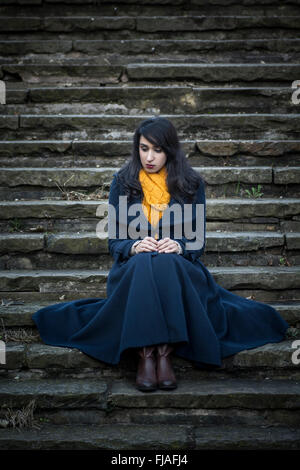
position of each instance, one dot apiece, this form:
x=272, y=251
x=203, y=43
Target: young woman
x=160, y=296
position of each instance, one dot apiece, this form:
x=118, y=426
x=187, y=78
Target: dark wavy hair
x=182, y=180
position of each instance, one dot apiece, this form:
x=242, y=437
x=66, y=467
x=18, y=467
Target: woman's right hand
x=147, y=244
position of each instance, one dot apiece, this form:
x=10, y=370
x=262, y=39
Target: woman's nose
x=150, y=156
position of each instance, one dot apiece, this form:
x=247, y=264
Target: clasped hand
x=165, y=245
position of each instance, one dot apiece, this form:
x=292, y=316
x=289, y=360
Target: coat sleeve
x=119, y=248
x=192, y=255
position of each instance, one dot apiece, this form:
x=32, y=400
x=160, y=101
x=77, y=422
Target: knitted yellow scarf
x=156, y=194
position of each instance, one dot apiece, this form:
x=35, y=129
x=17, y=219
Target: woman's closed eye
x=144, y=149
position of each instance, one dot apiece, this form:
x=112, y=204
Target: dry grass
x=22, y=418
x=83, y=195
x=23, y=335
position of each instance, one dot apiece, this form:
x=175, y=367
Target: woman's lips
x=150, y=166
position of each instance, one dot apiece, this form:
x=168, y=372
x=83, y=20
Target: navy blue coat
x=155, y=298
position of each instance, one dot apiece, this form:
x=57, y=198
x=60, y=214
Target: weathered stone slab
x=97, y=23
x=14, y=314
x=213, y=72
x=222, y=175
x=180, y=46
x=31, y=147
x=19, y=23
x=32, y=73
x=293, y=240
x=117, y=437
x=41, y=209
x=87, y=177
x=252, y=210
x=246, y=438
x=35, y=47
x=260, y=277
x=239, y=208
x=242, y=241
x=48, y=177
x=206, y=23
x=183, y=123
x=242, y=99
x=89, y=242
x=25, y=243
x=264, y=356
x=112, y=148
x=258, y=148
x=40, y=356
x=287, y=175
x=27, y=280
x=212, y=393
x=101, y=147
x=171, y=99
x=9, y=122
x=54, y=393
x=82, y=243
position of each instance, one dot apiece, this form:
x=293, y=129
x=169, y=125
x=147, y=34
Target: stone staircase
x=80, y=76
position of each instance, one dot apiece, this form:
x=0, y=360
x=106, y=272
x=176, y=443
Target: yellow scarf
x=156, y=194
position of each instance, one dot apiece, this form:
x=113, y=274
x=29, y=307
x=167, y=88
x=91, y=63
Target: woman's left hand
x=166, y=245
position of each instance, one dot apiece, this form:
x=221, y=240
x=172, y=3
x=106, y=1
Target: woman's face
x=152, y=157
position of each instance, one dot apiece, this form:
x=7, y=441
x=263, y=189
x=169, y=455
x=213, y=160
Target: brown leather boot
x=165, y=374
x=146, y=379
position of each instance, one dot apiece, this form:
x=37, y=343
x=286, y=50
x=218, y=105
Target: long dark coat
x=155, y=298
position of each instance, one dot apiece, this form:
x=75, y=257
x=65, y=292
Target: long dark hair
x=182, y=180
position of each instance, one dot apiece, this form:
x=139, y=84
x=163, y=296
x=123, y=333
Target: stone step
x=38, y=360
x=39, y=8
x=99, y=100
x=271, y=278
x=147, y=24
x=81, y=72
x=154, y=47
x=212, y=72
x=150, y=437
x=66, y=153
x=263, y=257
x=89, y=243
x=74, y=59
x=197, y=126
x=93, y=183
x=217, y=209
x=66, y=71
x=79, y=225
x=83, y=177
x=18, y=314
x=69, y=250
x=100, y=394
x=188, y=96
x=42, y=259
x=103, y=401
